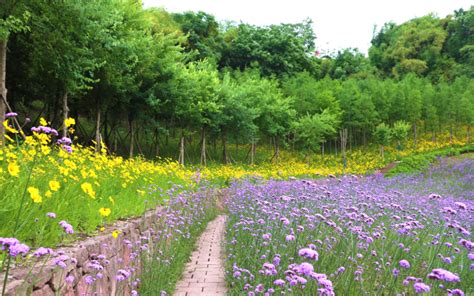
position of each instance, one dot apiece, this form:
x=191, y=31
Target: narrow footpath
x=204, y=274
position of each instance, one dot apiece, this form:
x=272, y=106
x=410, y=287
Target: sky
x=338, y=24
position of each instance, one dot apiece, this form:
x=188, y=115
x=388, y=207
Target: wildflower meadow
x=153, y=151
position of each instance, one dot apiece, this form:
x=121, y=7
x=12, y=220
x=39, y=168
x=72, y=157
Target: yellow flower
x=35, y=196
x=54, y=185
x=102, y=229
x=13, y=169
x=69, y=121
x=71, y=130
x=115, y=233
x=87, y=188
x=9, y=128
x=104, y=212
x=112, y=200
x=43, y=121
x=48, y=193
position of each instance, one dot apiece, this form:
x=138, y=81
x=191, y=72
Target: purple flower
x=40, y=252
x=404, y=263
x=67, y=227
x=18, y=249
x=290, y=237
x=89, y=280
x=443, y=275
x=308, y=253
x=11, y=114
x=304, y=268
x=6, y=242
x=279, y=282
x=51, y=215
x=470, y=256
x=64, y=141
x=455, y=292
x=395, y=272
x=69, y=279
x=421, y=288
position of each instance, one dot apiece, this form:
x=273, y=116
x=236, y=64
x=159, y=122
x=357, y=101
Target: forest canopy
x=153, y=82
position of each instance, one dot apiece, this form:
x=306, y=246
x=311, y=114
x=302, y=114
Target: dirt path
x=204, y=275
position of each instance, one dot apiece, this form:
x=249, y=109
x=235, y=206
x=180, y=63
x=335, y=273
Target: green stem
x=15, y=227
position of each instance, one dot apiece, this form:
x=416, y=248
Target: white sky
x=337, y=23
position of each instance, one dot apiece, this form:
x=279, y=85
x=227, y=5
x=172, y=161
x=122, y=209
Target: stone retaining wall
x=47, y=278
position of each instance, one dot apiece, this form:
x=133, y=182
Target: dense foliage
x=186, y=80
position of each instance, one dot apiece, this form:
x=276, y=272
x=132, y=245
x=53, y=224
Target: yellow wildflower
x=104, y=212
x=87, y=188
x=69, y=121
x=54, y=185
x=9, y=128
x=34, y=193
x=48, y=193
x=115, y=233
x=102, y=229
x=43, y=121
x=13, y=169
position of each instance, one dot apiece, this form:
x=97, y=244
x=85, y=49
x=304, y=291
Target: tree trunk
x=203, y=146
x=451, y=134
x=65, y=114
x=132, y=137
x=414, y=134
x=225, y=158
x=3, y=89
x=157, y=143
x=277, y=148
x=97, y=128
x=335, y=146
x=181, y=150
x=276, y=154
x=468, y=132
x=116, y=141
x=322, y=149
x=252, y=153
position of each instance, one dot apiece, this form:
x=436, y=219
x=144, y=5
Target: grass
x=175, y=239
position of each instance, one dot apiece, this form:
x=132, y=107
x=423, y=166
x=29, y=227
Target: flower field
x=354, y=235
x=48, y=175
x=350, y=235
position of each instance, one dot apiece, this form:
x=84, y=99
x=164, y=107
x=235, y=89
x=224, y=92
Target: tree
x=412, y=47
x=400, y=132
x=204, y=39
x=312, y=130
x=350, y=62
x=276, y=49
x=382, y=136
x=238, y=113
x=198, y=103
x=311, y=96
x=459, y=43
x=13, y=18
